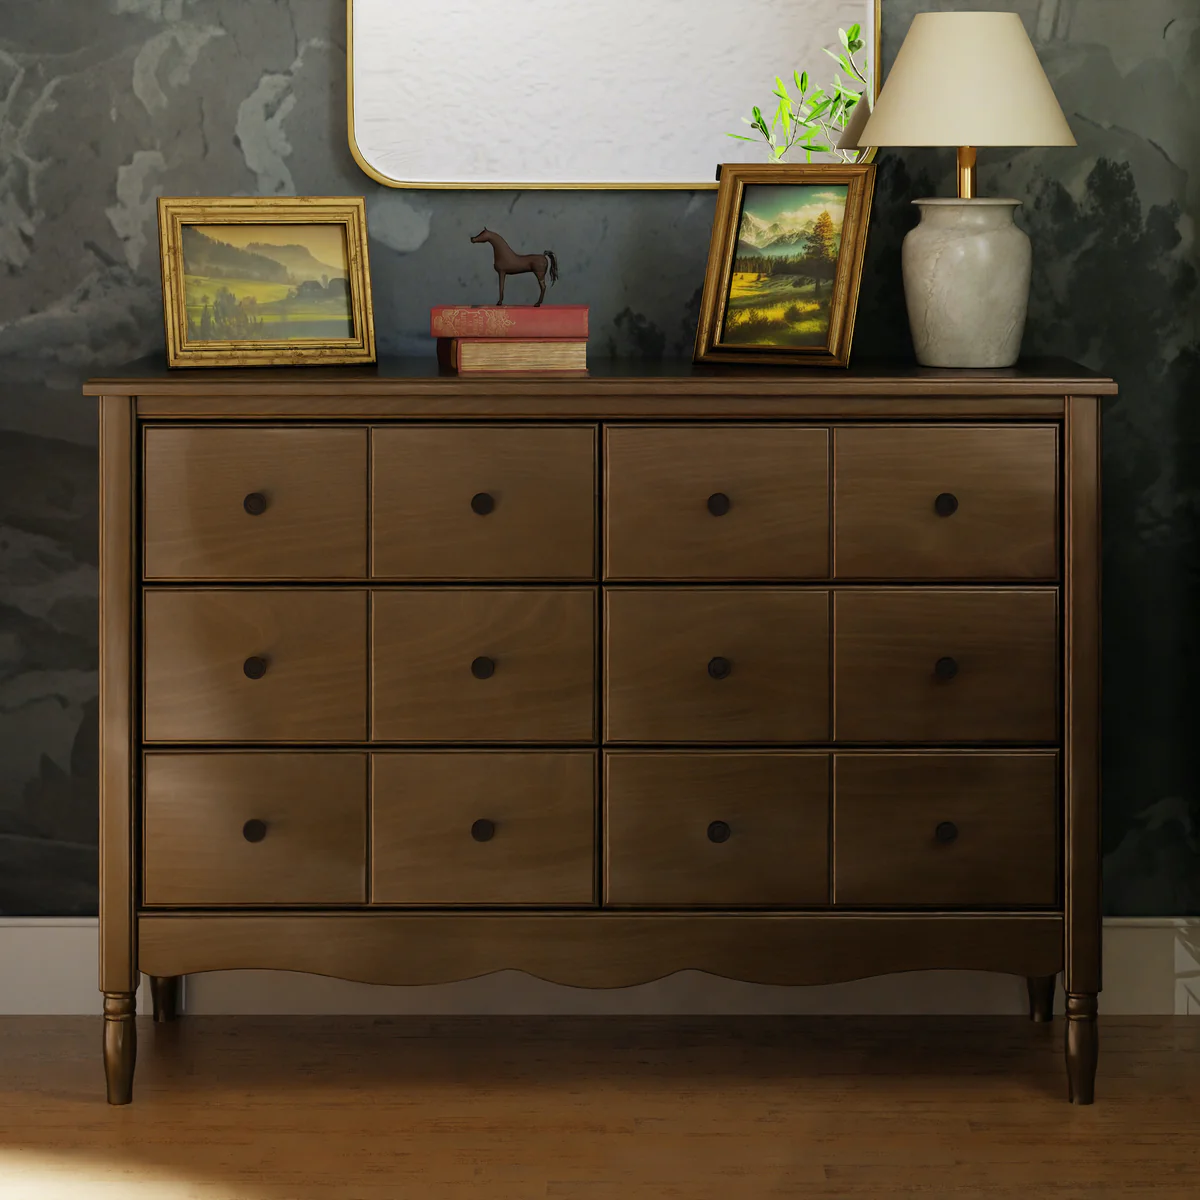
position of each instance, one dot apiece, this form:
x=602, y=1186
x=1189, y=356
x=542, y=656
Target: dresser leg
x=164, y=992
x=120, y=1044
x=1041, y=997
x=1083, y=1046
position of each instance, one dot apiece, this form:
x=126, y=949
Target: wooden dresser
x=789, y=677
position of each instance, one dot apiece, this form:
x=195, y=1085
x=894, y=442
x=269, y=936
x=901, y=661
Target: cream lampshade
x=966, y=79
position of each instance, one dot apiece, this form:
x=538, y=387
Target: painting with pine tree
x=784, y=265
x=266, y=282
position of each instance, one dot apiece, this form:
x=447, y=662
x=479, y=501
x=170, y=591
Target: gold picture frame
x=774, y=310
x=260, y=267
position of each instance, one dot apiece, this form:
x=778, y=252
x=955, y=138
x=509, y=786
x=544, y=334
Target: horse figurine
x=507, y=262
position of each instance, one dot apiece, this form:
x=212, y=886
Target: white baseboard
x=48, y=966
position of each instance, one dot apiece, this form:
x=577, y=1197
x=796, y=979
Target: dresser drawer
x=930, y=665
x=255, y=665
x=946, y=502
x=952, y=830
x=491, y=502
x=728, y=829
x=252, y=503
x=734, y=502
x=484, y=664
x=256, y=828
x=481, y=827
x=716, y=665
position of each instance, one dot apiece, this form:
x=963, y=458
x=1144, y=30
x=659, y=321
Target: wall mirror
x=578, y=93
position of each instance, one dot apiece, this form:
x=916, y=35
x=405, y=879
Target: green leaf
x=740, y=138
x=853, y=32
x=815, y=146
x=781, y=87
x=845, y=38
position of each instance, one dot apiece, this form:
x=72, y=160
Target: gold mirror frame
x=867, y=157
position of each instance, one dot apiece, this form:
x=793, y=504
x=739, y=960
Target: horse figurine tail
x=553, y=265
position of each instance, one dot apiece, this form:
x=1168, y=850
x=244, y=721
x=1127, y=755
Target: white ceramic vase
x=966, y=281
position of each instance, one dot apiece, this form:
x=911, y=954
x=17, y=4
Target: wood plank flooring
x=597, y=1109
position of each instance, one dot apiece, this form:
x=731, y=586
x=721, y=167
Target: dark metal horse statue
x=508, y=262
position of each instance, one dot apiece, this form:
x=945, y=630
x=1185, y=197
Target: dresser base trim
x=602, y=949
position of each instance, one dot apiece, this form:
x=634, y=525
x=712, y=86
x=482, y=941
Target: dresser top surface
x=398, y=377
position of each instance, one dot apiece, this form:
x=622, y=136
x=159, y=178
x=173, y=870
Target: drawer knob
x=946, y=505
x=255, y=668
x=255, y=504
x=718, y=831
x=483, y=667
x=719, y=504
x=719, y=668
x=945, y=668
x=483, y=830
x=946, y=832
x=254, y=831
x=482, y=503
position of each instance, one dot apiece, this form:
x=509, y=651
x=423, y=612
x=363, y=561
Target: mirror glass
x=579, y=93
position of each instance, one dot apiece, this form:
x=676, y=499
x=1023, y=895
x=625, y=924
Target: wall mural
x=129, y=99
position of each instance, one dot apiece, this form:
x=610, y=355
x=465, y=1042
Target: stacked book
x=487, y=339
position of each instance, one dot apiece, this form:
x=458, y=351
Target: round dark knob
x=254, y=831
x=946, y=505
x=946, y=832
x=945, y=668
x=483, y=667
x=719, y=668
x=255, y=504
x=482, y=503
x=719, y=504
x=255, y=668
x=718, y=831
x=483, y=830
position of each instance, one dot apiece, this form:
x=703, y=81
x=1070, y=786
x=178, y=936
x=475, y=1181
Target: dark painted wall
x=105, y=104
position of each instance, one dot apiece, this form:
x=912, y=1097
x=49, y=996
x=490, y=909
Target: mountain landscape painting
x=785, y=265
x=256, y=283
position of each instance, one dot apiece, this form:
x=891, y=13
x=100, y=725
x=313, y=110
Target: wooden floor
x=597, y=1109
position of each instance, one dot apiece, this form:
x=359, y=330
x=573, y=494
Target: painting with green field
x=785, y=265
x=268, y=282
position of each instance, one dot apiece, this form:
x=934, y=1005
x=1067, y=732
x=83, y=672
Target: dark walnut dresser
x=791, y=677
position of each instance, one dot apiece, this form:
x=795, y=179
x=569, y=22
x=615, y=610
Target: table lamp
x=966, y=79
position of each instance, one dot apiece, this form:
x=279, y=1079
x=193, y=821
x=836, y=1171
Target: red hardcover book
x=509, y=321
x=518, y=355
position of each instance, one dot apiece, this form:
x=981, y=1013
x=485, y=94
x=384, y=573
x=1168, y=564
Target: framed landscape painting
x=268, y=282
x=784, y=264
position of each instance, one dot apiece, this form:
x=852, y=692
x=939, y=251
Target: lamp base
x=966, y=282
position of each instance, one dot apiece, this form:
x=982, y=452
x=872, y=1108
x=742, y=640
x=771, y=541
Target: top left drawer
x=255, y=503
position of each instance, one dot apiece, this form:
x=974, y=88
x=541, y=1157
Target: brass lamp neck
x=966, y=172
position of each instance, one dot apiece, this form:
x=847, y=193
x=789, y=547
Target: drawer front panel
x=251, y=503
x=485, y=665
x=729, y=829
x=926, y=665
x=472, y=827
x=717, y=503
x=255, y=665
x=953, y=830
x=484, y=503
x=256, y=828
x=926, y=502
x=716, y=665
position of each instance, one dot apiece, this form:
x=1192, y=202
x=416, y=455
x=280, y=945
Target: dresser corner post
x=1081, y=742
x=118, y=657
x=165, y=994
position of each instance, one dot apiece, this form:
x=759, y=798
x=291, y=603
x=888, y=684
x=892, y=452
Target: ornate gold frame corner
x=701, y=186
x=860, y=181
x=350, y=211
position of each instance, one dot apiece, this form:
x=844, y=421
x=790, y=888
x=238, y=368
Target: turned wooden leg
x=120, y=1044
x=1041, y=997
x=164, y=992
x=1083, y=1046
